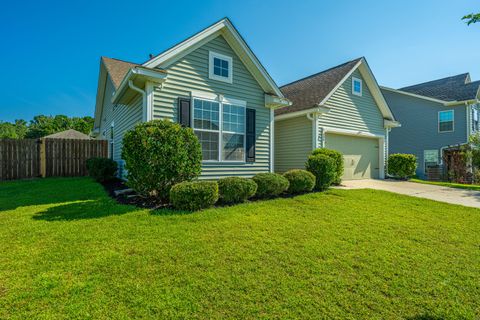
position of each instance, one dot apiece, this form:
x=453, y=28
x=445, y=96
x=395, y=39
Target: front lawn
x=69, y=251
x=449, y=184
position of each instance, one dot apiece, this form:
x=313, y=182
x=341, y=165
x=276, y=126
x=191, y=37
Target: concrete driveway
x=450, y=195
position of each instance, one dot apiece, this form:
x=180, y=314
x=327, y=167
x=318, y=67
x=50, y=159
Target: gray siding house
x=434, y=115
x=211, y=82
x=341, y=108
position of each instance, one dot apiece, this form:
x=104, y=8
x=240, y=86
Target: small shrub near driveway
x=300, y=181
x=193, y=196
x=324, y=169
x=101, y=169
x=337, y=158
x=270, y=184
x=159, y=154
x=401, y=165
x=236, y=190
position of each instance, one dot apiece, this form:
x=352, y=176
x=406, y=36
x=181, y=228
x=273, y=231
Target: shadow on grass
x=86, y=209
x=425, y=317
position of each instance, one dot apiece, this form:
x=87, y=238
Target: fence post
x=43, y=159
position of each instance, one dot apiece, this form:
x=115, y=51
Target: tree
x=472, y=18
x=15, y=130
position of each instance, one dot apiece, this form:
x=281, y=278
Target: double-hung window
x=220, y=127
x=445, y=121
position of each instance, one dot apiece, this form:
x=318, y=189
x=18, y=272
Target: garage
x=361, y=155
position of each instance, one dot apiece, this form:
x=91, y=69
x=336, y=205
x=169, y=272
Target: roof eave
x=145, y=74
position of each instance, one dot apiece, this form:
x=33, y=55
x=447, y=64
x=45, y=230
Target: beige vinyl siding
x=190, y=73
x=293, y=143
x=352, y=112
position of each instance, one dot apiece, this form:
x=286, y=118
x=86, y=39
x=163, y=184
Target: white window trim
x=453, y=121
x=425, y=162
x=211, y=75
x=220, y=100
x=353, y=86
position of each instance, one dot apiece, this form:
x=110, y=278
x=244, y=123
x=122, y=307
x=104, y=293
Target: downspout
x=314, y=117
x=144, y=95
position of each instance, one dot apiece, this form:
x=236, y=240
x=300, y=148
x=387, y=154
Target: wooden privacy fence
x=30, y=158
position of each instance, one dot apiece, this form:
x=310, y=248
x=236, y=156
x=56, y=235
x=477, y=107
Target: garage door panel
x=361, y=155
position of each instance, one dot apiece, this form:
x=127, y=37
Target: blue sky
x=50, y=50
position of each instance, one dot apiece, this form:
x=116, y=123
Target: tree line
x=42, y=125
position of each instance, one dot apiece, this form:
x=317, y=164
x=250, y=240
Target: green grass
x=449, y=184
x=69, y=251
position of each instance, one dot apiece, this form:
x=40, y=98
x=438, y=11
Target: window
x=445, y=121
x=475, y=122
x=430, y=159
x=220, y=67
x=356, y=86
x=220, y=127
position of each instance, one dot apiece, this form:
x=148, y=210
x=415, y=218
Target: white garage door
x=361, y=155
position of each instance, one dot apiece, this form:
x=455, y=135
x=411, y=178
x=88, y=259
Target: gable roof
x=225, y=28
x=117, y=69
x=69, y=134
x=308, y=92
x=314, y=91
x=454, y=88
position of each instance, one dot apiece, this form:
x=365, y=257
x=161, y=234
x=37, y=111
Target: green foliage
x=474, y=153
x=402, y=165
x=270, y=184
x=159, y=154
x=324, y=169
x=337, y=158
x=193, y=196
x=236, y=190
x=300, y=181
x=42, y=126
x=472, y=18
x=101, y=169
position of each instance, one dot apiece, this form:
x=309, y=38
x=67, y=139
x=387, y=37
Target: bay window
x=220, y=127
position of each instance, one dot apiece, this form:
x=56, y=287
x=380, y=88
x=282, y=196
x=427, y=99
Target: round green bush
x=193, y=196
x=101, y=169
x=300, y=181
x=324, y=169
x=270, y=184
x=236, y=190
x=159, y=154
x=337, y=158
x=401, y=165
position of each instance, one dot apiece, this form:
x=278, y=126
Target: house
x=212, y=82
x=341, y=108
x=434, y=115
x=69, y=134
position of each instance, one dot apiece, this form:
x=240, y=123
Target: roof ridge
x=120, y=60
x=436, y=80
x=321, y=72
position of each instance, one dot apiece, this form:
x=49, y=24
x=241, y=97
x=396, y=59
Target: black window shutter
x=251, y=136
x=184, y=112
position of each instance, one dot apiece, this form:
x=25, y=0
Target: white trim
x=231, y=35
x=149, y=75
x=349, y=132
x=314, y=118
x=149, y=89
x=353, y=86
x=272, y=140
x=211, y=74
x=453, y=121
x=236, y=102
x=204, y=95
x=144, y=99
x=320, y=110
x=413, y=95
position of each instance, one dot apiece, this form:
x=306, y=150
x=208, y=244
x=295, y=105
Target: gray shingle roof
x=306, y=93
x=455, y=88
x=69, y=134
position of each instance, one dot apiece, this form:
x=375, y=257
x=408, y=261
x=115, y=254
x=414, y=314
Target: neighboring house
x=341, y=108
x=69, y=134
x=434, y=116
x=211, y=82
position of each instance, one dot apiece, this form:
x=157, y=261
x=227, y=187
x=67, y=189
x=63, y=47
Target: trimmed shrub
x=270, y=184
x=193, y=196
x=101, y=169
x=337, y=158
x=324, y=169
x=159, y=154
x=300, y=181
x=401, y=165
x=236, y=189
